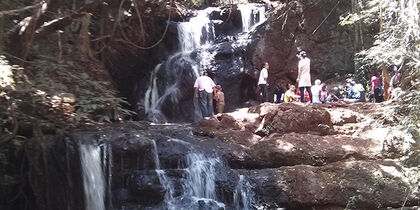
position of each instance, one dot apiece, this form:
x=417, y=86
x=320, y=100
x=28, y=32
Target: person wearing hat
x=203, y=91
x=304, y=76
x=219, y=97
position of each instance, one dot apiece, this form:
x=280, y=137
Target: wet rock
x=294, y=149
x=133, y=150
x=351, y=185
x=144, y=187
x=228, y=22
x=172, y=154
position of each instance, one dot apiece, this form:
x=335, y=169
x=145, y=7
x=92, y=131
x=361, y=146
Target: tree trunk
x=27, y=36
x=356, y=26
x=1, y=34
x=84, y=40
x=386, y=79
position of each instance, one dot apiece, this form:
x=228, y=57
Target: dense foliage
x=397, y=43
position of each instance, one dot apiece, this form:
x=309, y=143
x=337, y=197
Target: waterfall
x=197, y=32
x=163, y=178
x=246, y=14
x=107, y=168
x=200, y=176
x=242, y=197
x=252, y=16
x=93, y=177
x=170, y=92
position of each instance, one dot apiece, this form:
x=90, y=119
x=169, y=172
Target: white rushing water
x=163, y=178
x=93, y=177
x=196, y=36
x=201, y=176
x=197, y=32
x=242, y=198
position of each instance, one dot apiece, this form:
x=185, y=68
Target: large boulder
x=350, y=185
x=290, y=117
x=293, y=149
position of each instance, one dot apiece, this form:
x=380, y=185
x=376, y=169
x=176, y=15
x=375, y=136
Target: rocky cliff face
x=314, y=27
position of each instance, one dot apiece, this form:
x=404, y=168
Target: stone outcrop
x=350, y=185
x=293, y=149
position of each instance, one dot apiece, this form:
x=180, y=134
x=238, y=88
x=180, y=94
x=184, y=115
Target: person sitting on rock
x=315, y=91
x=278, y=94
x=356, y=92
x=219, y=97
x=324, y=94
x=290, y=95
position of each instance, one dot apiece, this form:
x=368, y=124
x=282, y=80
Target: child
x=290, y=95
x=324, y=94
x=219, y=97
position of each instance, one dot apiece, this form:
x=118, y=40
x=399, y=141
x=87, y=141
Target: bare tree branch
x=16, y=11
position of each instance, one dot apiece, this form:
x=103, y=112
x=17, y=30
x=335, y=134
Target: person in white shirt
x=262, y=82
x=315, y=92
x=304, y=76
x=203, y=91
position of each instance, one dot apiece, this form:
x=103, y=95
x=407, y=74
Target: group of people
x=306, y=93
x=205, y=93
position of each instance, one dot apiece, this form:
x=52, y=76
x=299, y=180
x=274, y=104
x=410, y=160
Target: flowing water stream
x=93, y=177
x=170, y=86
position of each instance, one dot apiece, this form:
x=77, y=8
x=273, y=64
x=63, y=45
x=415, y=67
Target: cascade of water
x=155, y=155
x=197, y=32
x=252, y=16
x=262, y=17
x=163, y=178
x=201, y=175
x=151, y=100
x=242, y=197
x=246, y=14
x=107, y=168
x=93, y=177
x=168, y=80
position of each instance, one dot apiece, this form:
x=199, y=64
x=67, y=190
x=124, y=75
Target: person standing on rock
x=262, y=82
x=374, y=84
x=304, y=76
x=219, y=97
x=203, y=91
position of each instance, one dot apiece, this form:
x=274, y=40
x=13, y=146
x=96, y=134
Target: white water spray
x=93, y=177
x=242, y=197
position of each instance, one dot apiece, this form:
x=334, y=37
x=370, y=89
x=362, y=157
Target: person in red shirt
x=374, y=83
